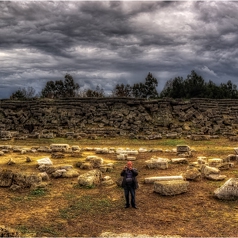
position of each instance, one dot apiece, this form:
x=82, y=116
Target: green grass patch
x=46, y=230
x=86, y=204
x=38, y=192
x=24, y=229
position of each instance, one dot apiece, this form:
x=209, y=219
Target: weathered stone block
x=95, y=161
x=6, y=177
x=157, y=163
x=215, y=162
x=179, y=161
x=172, y=187
x=162, y=178
x=192, y=174
x=228, y=191
x=90, y=178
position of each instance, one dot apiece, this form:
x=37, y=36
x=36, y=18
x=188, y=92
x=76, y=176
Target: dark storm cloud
x=105, y=43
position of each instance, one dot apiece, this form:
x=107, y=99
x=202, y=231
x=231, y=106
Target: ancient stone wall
x=118, y=117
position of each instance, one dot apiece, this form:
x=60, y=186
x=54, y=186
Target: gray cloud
x=105, y=43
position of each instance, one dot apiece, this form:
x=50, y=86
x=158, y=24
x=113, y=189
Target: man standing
x=129, y=183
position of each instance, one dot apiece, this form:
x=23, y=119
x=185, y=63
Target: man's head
x=129, y=164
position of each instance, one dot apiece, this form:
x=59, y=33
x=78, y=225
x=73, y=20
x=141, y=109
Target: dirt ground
x=63, y=209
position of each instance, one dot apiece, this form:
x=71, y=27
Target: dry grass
x=65, y=209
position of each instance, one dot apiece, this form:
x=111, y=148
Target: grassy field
x=64, y=209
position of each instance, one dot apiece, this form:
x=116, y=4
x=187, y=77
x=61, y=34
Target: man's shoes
x=127, y=206
x=135, y=207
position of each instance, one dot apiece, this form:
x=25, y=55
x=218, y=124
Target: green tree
x=18, y=95
x=60, y=89
x=122, y=90
x=24, y=93
x=49, y=91
x=174, y=88
x=194, y=85
x=147, y=89
x=70, y=87
x=151, y=83
x=97, y=93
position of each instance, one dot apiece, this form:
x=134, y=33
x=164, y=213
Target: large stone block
x=172, y=187
x=162, y=178
x=27, y=180
x=228, y=191
x=6, y=177
x=157, y=163
x=95, y=161
x=90, y=178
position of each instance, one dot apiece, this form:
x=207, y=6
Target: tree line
x=194, y=86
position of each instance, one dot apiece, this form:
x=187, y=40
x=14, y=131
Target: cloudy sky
x=109, y=42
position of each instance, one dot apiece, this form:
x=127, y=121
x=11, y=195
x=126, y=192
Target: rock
x=57, y=155
x=142, y=150
x=192, y=174
x=8, y=232
x=158, y=163
x=109, y=234
x=184, y=150
x=172, y=187
x=202, y=160
x=215, y=162
x=6, y=177
x=107, y=181
x=76, y=148
x=131, y=158
x=179, y=161
x=162, y=178
x=86, y=165
x=91, y=178
x=95, y=161
x=28, y=159
x=58, y=173
x=119, y=181
x=127, y=152
x=228, y=191
x=15, y=187
x=122, y=156
x=11, y=162
x=207, y=170
x=102, y=151
x=26, y=180
x=72, y=173
x=211, y=173
x=216, y=177
x=107, y=167
x=44, y=176
x=45, y=161
x=59, y=147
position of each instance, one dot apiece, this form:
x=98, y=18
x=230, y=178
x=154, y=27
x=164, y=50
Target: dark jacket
x=134, y=179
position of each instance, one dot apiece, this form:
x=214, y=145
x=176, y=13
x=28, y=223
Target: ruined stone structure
x=136, y=118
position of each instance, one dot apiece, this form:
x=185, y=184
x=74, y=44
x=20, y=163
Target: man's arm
x=135, y=172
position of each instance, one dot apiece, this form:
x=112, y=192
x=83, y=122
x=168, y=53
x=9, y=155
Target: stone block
x=162, y=178
x=228, y=191
x=90, y=178
x=44, y=161
x=192, y=174
x=122, y=156
x=95, y=161
x=172, y=187
x=179, y=161
x=183, y=148
x=215, y=162
x=157, y=163
x=6, y=177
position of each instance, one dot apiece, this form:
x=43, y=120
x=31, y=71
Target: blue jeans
x=129, y=189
